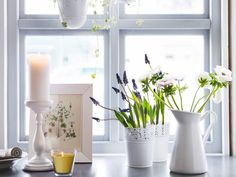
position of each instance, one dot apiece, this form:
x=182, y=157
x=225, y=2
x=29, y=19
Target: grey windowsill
x=116, y=166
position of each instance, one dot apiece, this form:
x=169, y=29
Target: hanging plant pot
x=140, y=146
x=161, y=143
x=73, y=13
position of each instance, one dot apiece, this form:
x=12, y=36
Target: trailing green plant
x=139, y=113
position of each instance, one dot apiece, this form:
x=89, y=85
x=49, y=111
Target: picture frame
x=69, y=121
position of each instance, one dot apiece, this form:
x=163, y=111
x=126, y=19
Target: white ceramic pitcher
x=188, y=156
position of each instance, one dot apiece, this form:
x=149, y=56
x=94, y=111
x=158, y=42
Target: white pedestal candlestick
x=38, y=77
x=39, y=162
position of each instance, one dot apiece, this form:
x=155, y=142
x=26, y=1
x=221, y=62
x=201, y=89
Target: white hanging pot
x=160, y=152
x=73, y=13
x=140, y=146
x=188, y=156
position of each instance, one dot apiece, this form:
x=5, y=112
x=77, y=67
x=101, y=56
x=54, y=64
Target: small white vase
x=73, y=13
x=188, y=156
x=160, y=152
x=140, y=146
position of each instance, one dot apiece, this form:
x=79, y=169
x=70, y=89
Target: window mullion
x=114, y=68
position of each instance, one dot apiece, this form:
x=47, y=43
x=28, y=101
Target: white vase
x=160, y=152
x=140, y=146
x=73, y=13
x=188, y=156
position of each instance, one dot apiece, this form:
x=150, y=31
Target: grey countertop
x=116, y=166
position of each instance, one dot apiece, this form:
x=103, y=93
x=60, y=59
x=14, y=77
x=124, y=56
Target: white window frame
x=19, y=23
x=3, y=74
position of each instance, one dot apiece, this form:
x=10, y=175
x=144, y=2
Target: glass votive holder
x=63, y=162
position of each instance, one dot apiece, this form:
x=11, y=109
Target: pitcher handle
x=212, y=122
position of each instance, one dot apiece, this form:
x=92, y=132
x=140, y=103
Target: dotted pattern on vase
x=140, y=134
x=162, y=130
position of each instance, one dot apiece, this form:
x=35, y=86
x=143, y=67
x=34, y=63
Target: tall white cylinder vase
x=160, y=152
x=73, y=13
x=140, y=146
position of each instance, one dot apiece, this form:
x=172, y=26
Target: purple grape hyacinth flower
x=94, y=101
x=135, y=87
x=147, y=60
x=125, y=80
x=116, y=90
x=124, y=110
x=118, y=79
x=123, y=96
x=138, y=95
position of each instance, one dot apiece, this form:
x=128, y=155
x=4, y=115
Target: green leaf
x=128, y=120
x=97, y=53
x=93, y=75
x=137, y=113
x=121, y=119
x=64, y=24
x=135, y=98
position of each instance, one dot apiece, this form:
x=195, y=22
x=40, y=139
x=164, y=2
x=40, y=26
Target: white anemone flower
x=144, y=77
x=155, y=70
x=165, y=81
x=223, y=74
x=179, y=77
x=204, y=77
x=217, y=98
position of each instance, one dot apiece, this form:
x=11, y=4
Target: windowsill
x=116, y=166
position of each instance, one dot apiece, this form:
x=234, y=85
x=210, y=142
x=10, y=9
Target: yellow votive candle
x=63, y=162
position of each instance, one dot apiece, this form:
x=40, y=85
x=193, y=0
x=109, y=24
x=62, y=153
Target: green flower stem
x=208, y=98
x=195, y=95
x=157, y=112
x=180, y=97
x=157, y=97
x=198, y=102
x=106, y=108
x=148, y=97
x=174, y=102
x=130, y=92
x=167, y=98
x=163, y=114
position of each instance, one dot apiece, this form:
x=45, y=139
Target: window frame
x=18, y=22
x=166, y=16
x=23, y=34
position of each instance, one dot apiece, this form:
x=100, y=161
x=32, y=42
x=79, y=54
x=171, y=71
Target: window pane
x=73, y=60
x=181, y=55
x=165, y=7
x=49, y=7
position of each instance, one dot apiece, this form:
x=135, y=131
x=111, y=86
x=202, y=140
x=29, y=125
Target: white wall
x=233, y=58
x=3, y=66
x=225, y=62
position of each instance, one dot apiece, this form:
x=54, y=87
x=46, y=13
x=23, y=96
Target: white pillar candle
x=38, y=77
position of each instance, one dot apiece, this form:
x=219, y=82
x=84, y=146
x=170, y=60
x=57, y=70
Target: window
x=180, y=35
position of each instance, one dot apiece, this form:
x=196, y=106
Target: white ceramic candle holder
x=39, y=162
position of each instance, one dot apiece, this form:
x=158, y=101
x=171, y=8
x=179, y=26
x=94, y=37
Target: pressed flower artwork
x=59, y=121
x=62, y=123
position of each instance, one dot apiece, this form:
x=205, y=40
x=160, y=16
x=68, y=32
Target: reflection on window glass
x=49, y=7
x=165, y=7
x=73, y=60
x=180, y=55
